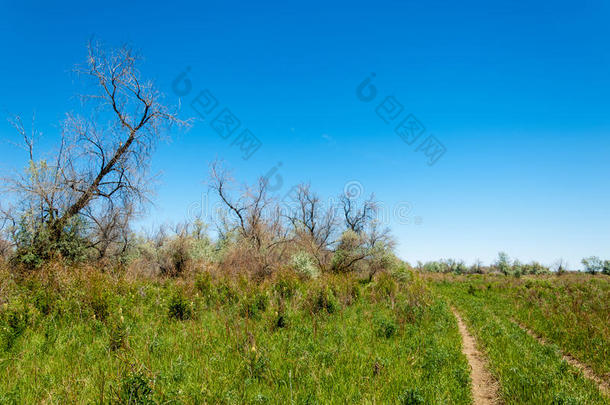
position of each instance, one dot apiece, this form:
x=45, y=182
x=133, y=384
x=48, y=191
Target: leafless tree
x=358, y=217
x=254, y=216
x=110, y=233
x=314, y=226
x=100, y=169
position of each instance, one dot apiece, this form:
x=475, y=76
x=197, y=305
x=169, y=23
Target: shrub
x=321, y=299
x=36, y=245
x=13, y=322
x=402, y=271
x=226, y=293
x=352, y=292
x=257, y=363
x=349, y=253
x=305, y=265
x=100, y=306
x=44, y=301
x=416, y=293
x=592, y=264
x=204, y=284
x=176, y=256
x=135, y=388
x=534, y=268
x=408, y=313
x=280, y=321
x=285, y=286
x=254, y=305
x=385, y=287
x=179, y=308
x=503, y=264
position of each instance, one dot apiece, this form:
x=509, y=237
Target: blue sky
x=516, y=92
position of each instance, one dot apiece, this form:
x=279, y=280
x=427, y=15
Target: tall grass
x=528, y=371
x=82, y=336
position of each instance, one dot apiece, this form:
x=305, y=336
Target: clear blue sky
x=517, y=92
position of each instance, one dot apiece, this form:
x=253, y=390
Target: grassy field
x=79, y=336
x=552, y=307
x=93, y=338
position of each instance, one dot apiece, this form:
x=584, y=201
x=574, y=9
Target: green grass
x=80, y=336
x=94, y=338
x=572, y=311
x=528, y=372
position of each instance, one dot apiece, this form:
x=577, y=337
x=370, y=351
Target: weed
x=134, y=388
x=254, y=305
x=117, y=334
x=13, y=323
x=321, y=299
x=385, y=327
x=204, y=284
x=179, y=308
x=411, y=397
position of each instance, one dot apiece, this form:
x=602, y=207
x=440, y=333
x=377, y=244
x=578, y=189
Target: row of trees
x=79, y=201
x=511, y=267
x=503, y=265
x=340, y=237
x=255, y=234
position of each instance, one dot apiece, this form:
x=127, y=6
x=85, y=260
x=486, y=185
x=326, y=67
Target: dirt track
x=484, y=386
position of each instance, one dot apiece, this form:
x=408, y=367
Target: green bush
x=285, y=287
x=226, y=293
x=179, y=308
x=305, y=265
x=44, y=301
x=385, y=286
x=205, y=286
x=13, y=322
x=135, y=388
x=592, y=264
x=321, y=299
x=100, y=306
x=606, y=267
x=36, y=245
x=254, y=305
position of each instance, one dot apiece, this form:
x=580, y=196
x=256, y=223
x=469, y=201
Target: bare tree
x=358, y=217
x=110, y=233
x=254, y=216
x=100, y=169
x=110, y=162
x=314, y=226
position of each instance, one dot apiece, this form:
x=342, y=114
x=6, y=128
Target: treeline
x=503, y=265
x=511, y=267
x=255, y=234
x=77, y=203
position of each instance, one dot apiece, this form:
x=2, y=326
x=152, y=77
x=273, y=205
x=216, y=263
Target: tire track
x=484, y=385
x=586, y=370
